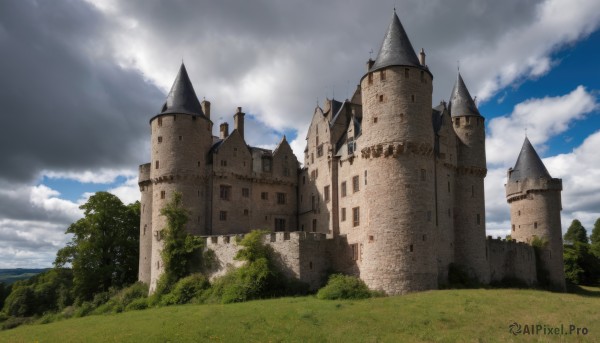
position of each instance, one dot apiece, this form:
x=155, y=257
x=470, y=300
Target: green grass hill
x=480, y=315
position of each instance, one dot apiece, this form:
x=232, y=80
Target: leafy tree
x=595, y=239
x=4, y=292
x=581, y=266
x=180, y=247
x=104, y=249
x=576, y=233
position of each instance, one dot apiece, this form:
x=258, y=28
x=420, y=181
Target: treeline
x=582, y=254
x=96, y=272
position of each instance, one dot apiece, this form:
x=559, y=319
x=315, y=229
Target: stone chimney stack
x=206, y=108
x=422, y=57
x=224, y=130
x=238, y=121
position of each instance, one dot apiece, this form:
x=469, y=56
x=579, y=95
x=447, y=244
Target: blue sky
x=102, y=68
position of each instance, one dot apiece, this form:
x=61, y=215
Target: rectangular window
x=266, y=164
x=160, y=139
x=156, y=164
x=535, y=225
x=180, y=137
x=326, y=193
x=370, y=78
x=314, y=225
x=343, y=189
x=264, y=196
x=320, y=150
x=472, y=191
x=422, y=76
x=281, y=198
x=382, y=75
x=246, y=212
x=343, y=214
x=448, y=186
x=245, y=192
x=355, y=184
x=223, y=163
x=163, y=194
x=223, y=216
x=513, y=227
x=478, y=219
x=312, y=157
x=313, y=203
x=423, y=175
x=381, y=98
x=356, y=216
x=410, y=248
x=355, y=252
x=279, y=224
x=159, y=121
x=406, y=72
x=365, y=177
x=225, y=192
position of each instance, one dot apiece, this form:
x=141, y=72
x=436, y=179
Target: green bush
x=186, y=289
x=3, y=317
x=83, y=310
x=137, y=304
x=13, y=322
x=344, y=287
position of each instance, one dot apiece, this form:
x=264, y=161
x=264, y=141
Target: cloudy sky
x=80, y=79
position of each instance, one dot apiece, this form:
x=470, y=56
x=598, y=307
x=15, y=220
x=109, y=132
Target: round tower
x=181, y=139
x=535, y=204
x=397, y=149
x=469, y=212
x=145, y=260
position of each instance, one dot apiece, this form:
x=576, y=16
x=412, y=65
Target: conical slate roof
x=182, y=98
x=461, y=103
x=396, y=49
x=529, y=165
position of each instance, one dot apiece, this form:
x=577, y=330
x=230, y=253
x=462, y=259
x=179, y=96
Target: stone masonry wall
x=511, y=260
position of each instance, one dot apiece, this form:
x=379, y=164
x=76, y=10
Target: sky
x=81, y=78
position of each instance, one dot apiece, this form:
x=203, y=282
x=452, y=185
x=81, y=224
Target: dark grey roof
x=396, y=49
x=182, y=98
x=529, y=165
x=461, y=103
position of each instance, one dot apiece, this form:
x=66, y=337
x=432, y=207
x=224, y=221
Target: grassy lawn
x=481, y=315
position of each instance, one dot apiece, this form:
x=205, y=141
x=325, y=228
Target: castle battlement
x=273, y=237
x=516, y=189
x=144, y=172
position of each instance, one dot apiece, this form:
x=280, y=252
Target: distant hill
x=9, y=276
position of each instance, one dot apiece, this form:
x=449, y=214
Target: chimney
x=238, y=121
x=224, y=130
x=206, y=108
x=370, y=63
x=422, y=57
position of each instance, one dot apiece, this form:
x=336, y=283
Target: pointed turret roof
x=529, y=165
x=396, y=49
x=182, y=98
x=461, y=103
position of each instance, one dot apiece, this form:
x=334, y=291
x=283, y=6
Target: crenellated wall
x=511, y=260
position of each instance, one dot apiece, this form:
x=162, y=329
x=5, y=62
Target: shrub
x=344, y=287
x=186, y=289
x=137, y=304
x=83, y=310
x=3, y=317
x=13, y=322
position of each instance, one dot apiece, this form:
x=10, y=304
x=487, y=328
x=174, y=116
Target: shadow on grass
x=584, y=291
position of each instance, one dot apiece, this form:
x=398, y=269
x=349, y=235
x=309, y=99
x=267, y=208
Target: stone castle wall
x=511, y=260
x=299, y=255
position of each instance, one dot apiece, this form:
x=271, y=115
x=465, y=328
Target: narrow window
x=180, y=137
x=343, y=214
x=478, y=219
x=422, y=76
x=264, y=196
x=316, y=173
x=382, y=75
x=313, y=203
x=412, y=98
x=159, y=121
x=424, y=238
x=356, y=216
x=381, y=98
x=448, y=186
x=314, y=225
x=326, y=193
x=519, y=213
x=281, y=198
x=145, y=227
x=355, y=252
x=513, y=227
x=428, y=216
x=279, y=224
x=223, y=216
x=371, y=238
x=266, y=164
x=163, y=194
x=410, y=248
x=375, y=120
x=159, y=139
x=365, y=177
x=406, y=72
x=223, y=163
x=343, y=191
x=423, y=175
x=174, y=117
x=472, y=191
x=156, y=164
x=245, y=192
x=304, y=180
x=320, y=150
x=355, y=184
x=312, y=157
x=535, y=225
x=370, y=78
x=198, y=163
x=467, y=120
x=225, y=192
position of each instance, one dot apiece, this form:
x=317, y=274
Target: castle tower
x=469, y=213
x=398, y=253
x=181, y=139
x=535, y=205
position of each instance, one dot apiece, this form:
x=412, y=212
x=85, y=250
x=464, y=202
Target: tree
x=576, y=233
x=104, y=249
x=595, y=239
x=180, y=247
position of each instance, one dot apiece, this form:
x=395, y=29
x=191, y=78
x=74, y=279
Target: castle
x=391, y=190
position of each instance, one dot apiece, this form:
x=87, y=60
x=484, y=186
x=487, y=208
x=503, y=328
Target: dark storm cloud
x=66, y=104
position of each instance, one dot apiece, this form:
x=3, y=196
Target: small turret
x=534, y=198
x=422, y=57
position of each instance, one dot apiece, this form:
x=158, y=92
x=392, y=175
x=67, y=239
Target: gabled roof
x=529, y=165
x=182, y=98
x=461, y=103
x=396, y=49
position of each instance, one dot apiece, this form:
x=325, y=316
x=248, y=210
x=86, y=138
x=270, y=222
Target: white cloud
x=128, y=192
x=102, y=176
x=47, y=199
x=543, y=118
